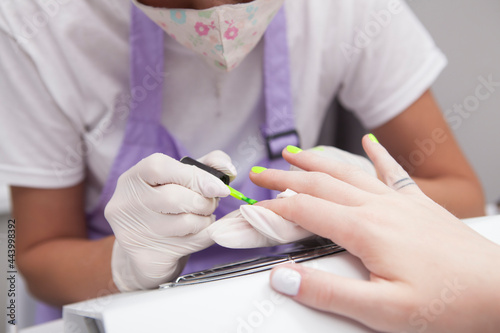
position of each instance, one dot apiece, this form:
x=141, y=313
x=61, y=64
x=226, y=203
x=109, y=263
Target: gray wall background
x=468, y=32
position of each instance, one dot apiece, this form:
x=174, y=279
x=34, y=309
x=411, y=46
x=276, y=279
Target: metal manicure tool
x=309, y=249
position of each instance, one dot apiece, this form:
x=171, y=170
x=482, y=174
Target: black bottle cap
x=222, y=176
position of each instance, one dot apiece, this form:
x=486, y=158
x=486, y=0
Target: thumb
x=221, y=161
x=357, y=299
x=234, y=231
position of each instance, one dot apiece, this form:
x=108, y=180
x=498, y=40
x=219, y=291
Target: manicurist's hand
x=429, y=271
x=159, y=214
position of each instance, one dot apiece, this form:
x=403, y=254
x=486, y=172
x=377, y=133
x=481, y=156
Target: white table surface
x=488, y=226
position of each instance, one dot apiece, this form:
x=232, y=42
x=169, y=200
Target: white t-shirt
x=64, y=67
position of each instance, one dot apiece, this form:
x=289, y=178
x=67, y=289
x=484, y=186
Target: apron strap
x=279, y=129
x=146, y=44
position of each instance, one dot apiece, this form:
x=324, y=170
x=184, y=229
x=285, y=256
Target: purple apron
x=144, y=134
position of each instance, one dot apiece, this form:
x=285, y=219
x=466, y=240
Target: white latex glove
x=159, y=214
x=342, y=156
x=255, y=226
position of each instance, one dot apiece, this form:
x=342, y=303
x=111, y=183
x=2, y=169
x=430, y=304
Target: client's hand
x=429, y=271
x=250, y=227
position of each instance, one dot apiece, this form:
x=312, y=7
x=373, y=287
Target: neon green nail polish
x=373, y=138
x=293, y=149
x=319, y=148
x=258, y=169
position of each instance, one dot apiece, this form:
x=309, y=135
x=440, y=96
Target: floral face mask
x=223, y=35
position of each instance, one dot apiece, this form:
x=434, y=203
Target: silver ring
x=407, y=181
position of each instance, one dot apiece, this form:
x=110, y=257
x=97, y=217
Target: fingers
x=159, y=260
x=391, y=173
x=221, y=161
x=144, y=263
x=234, y=231
x=317, y=184
x=159, y=169
x=178, y=247
x=361, y=300
x=342, y=156
x=346, y=172
x=176, y=199
x=179, y=225
x=321, y=217
x=273, y=226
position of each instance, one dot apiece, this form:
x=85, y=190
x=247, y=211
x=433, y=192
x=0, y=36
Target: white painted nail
x=287, y=194
x=286, y=281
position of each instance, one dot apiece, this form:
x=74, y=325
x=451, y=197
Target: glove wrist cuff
x=123, y=275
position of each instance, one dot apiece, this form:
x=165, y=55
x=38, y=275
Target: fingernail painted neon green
x=373, y=138
x=293, y=149
x=258, y=169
